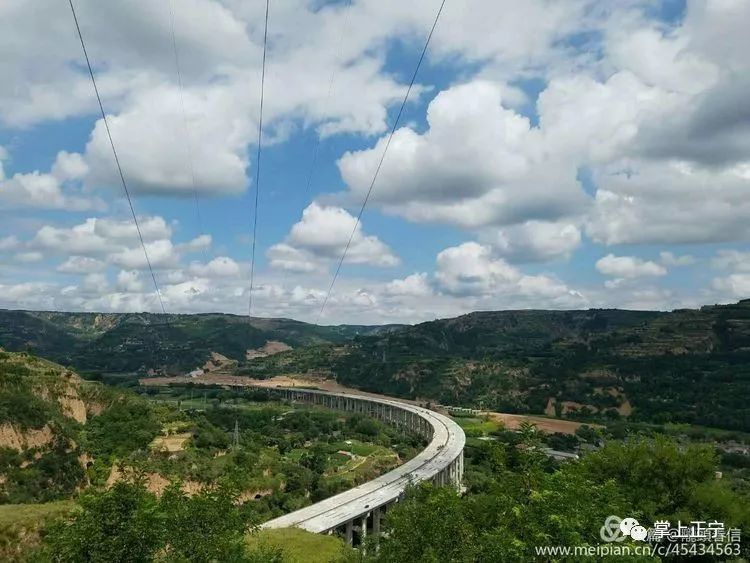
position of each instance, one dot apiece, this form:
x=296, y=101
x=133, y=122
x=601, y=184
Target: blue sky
x=552, y=155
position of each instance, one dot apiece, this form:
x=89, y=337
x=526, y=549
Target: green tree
x=122, y=524
x=657, y=474
x=668, y=480
x=128, y=425
x=127, y=523
x=430, y=526
x=204, y=527
x=315, y=460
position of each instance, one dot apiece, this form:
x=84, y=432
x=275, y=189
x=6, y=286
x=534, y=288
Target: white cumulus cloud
x=321, y=236
x=415, y=285
x=628, y=267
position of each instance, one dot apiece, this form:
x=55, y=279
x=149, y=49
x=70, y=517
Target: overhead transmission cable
x=117, y=160
x=380, y=163
x=188, y=143
x=257, y=163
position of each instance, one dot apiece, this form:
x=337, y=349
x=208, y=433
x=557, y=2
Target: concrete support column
x=349, y=532
x=376, y=522
x=363, y=532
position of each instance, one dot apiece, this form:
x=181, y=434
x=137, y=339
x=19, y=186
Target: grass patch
x=27, y=514
x=295, y=454
x=20, y=525
x=356, y=447
x=300, y=546
x=478, y=426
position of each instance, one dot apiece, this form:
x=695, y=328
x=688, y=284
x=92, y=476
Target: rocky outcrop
x=18, y=439
x=270, y=348
x=72, y=405
x=155, y=482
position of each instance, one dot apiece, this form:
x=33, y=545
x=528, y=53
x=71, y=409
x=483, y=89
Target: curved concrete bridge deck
x=359, y=510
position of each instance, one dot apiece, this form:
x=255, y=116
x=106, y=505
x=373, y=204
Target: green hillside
x=686, y=366
x=234, y=453
x=689, y=366
x=138, y=342
x=43, y=408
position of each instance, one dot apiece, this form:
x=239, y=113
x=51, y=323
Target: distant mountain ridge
x=683, y=366
x=132, y=342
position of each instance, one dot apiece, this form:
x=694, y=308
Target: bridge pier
x=349, y=532
x=376, y=522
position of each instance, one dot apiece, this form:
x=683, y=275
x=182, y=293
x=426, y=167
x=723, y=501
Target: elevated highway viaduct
x=359, y=511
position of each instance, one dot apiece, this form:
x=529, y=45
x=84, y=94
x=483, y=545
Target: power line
x=117, y=160
x=257, y=163
x=380, y=163
x=188, y=143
